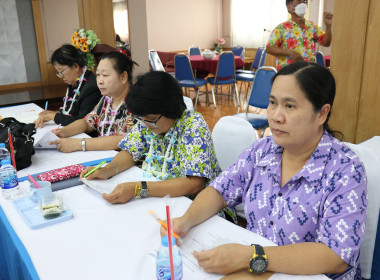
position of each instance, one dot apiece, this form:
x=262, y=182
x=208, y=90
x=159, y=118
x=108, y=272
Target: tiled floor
x=224, y=104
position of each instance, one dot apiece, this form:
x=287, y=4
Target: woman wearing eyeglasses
x=174, y=143
x=110, y=118
x=82, y=93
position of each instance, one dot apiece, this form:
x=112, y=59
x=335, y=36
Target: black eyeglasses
x=150, y=123
x=60, y=74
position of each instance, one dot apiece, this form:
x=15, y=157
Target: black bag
x=21, y=138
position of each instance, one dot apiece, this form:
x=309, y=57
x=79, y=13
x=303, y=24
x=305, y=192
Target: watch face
x=144, y=192
x=259, y=264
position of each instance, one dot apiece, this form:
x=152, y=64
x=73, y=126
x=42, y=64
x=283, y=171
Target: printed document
x=132, y=174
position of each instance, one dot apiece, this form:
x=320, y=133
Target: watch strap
x=83, y=144
x=259, y=251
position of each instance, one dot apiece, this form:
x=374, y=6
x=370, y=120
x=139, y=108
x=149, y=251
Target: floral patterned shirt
x=122, y=124
x=324, y=202
x=288, y=35
x=192, y=150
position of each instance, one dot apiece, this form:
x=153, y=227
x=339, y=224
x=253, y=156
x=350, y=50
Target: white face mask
x=300, y=9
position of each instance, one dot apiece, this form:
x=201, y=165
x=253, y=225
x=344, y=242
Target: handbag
x=22, y=140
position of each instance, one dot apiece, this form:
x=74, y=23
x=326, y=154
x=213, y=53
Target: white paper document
x=44, y=141
x=132, y=174
x=208, y=235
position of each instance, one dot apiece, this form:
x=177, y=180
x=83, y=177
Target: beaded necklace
x=113, y=112
x=151, y=171
x=76, y=93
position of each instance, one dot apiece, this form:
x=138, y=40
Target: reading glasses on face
x=150, y=123
x=60, y=74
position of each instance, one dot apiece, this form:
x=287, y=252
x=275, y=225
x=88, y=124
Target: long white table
x=106, y=241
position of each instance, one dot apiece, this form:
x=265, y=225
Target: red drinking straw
x=34, y=182
x=12, y=152
x=170, y=241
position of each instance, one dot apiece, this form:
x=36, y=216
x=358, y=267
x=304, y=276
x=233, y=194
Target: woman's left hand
x=224, y=259
x=43, y=117
x=67, y=145
x=122, y=193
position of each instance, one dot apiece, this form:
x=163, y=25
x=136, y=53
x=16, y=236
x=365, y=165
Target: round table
x=200, y=63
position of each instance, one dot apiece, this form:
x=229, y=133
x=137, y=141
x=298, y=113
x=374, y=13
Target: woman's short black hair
x=68, y=55
x=156, y=92
x=121, y=63
x=317, y=83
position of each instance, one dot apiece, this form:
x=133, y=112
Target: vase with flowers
x=85, y=41
x=219, y=43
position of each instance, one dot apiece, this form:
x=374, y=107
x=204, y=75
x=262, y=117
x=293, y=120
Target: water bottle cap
x=5, y=161
x=165, y=241
x=2, y=145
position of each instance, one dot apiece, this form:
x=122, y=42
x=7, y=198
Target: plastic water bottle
x=9, y=180
x=163, y=261
x=4, y=153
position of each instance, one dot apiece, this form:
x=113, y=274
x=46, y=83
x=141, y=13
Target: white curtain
x=120, y=17
x=251, y=18
x=12, y=62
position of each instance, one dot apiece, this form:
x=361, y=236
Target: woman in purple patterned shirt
x=301, y=188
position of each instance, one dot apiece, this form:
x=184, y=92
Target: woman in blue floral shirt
x=175, y=144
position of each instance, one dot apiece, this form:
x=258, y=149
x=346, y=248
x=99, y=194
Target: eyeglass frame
x=60, y=74
x=151, y=124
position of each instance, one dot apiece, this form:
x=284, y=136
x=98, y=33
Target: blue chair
x=225, y=74
x=247, y=76
x=155, y=61
x=261, y=88
x=194, y=50
x=238, y=51
x=258, y=62
x=185, y=76
x=320, y=59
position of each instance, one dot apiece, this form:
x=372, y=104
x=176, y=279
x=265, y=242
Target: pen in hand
x=59, y=126
x=163, y=224
x=96, y=168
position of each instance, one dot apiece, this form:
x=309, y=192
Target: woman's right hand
x=102, y=173
x=180, y=227
x=60, y=132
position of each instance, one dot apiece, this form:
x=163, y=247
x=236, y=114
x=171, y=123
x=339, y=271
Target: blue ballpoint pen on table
x=46, y=104
x=96, y=168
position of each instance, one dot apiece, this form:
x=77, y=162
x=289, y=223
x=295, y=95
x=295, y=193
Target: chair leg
x=213, y=96
x=237, y=95
x=207, y=100
x=196, y=98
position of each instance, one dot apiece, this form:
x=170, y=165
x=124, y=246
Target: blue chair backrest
x=194, y=50
x=155, y=61
x=320, y=59
x=226, y=65
x=261, y=87
x=238, y=51
x=259, y=60
x=182, y=67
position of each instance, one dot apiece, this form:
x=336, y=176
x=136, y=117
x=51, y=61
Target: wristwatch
x=83, y=144
x=259, y=261
x=144, y=189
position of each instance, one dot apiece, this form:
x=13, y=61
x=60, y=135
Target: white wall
x=177, y=24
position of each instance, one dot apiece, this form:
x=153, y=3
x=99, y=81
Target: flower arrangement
x=85, y=41
x=218, y=45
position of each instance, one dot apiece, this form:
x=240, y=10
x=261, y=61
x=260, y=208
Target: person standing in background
x=296, y=39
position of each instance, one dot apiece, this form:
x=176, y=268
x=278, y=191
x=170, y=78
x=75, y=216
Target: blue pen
x=46, y=104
